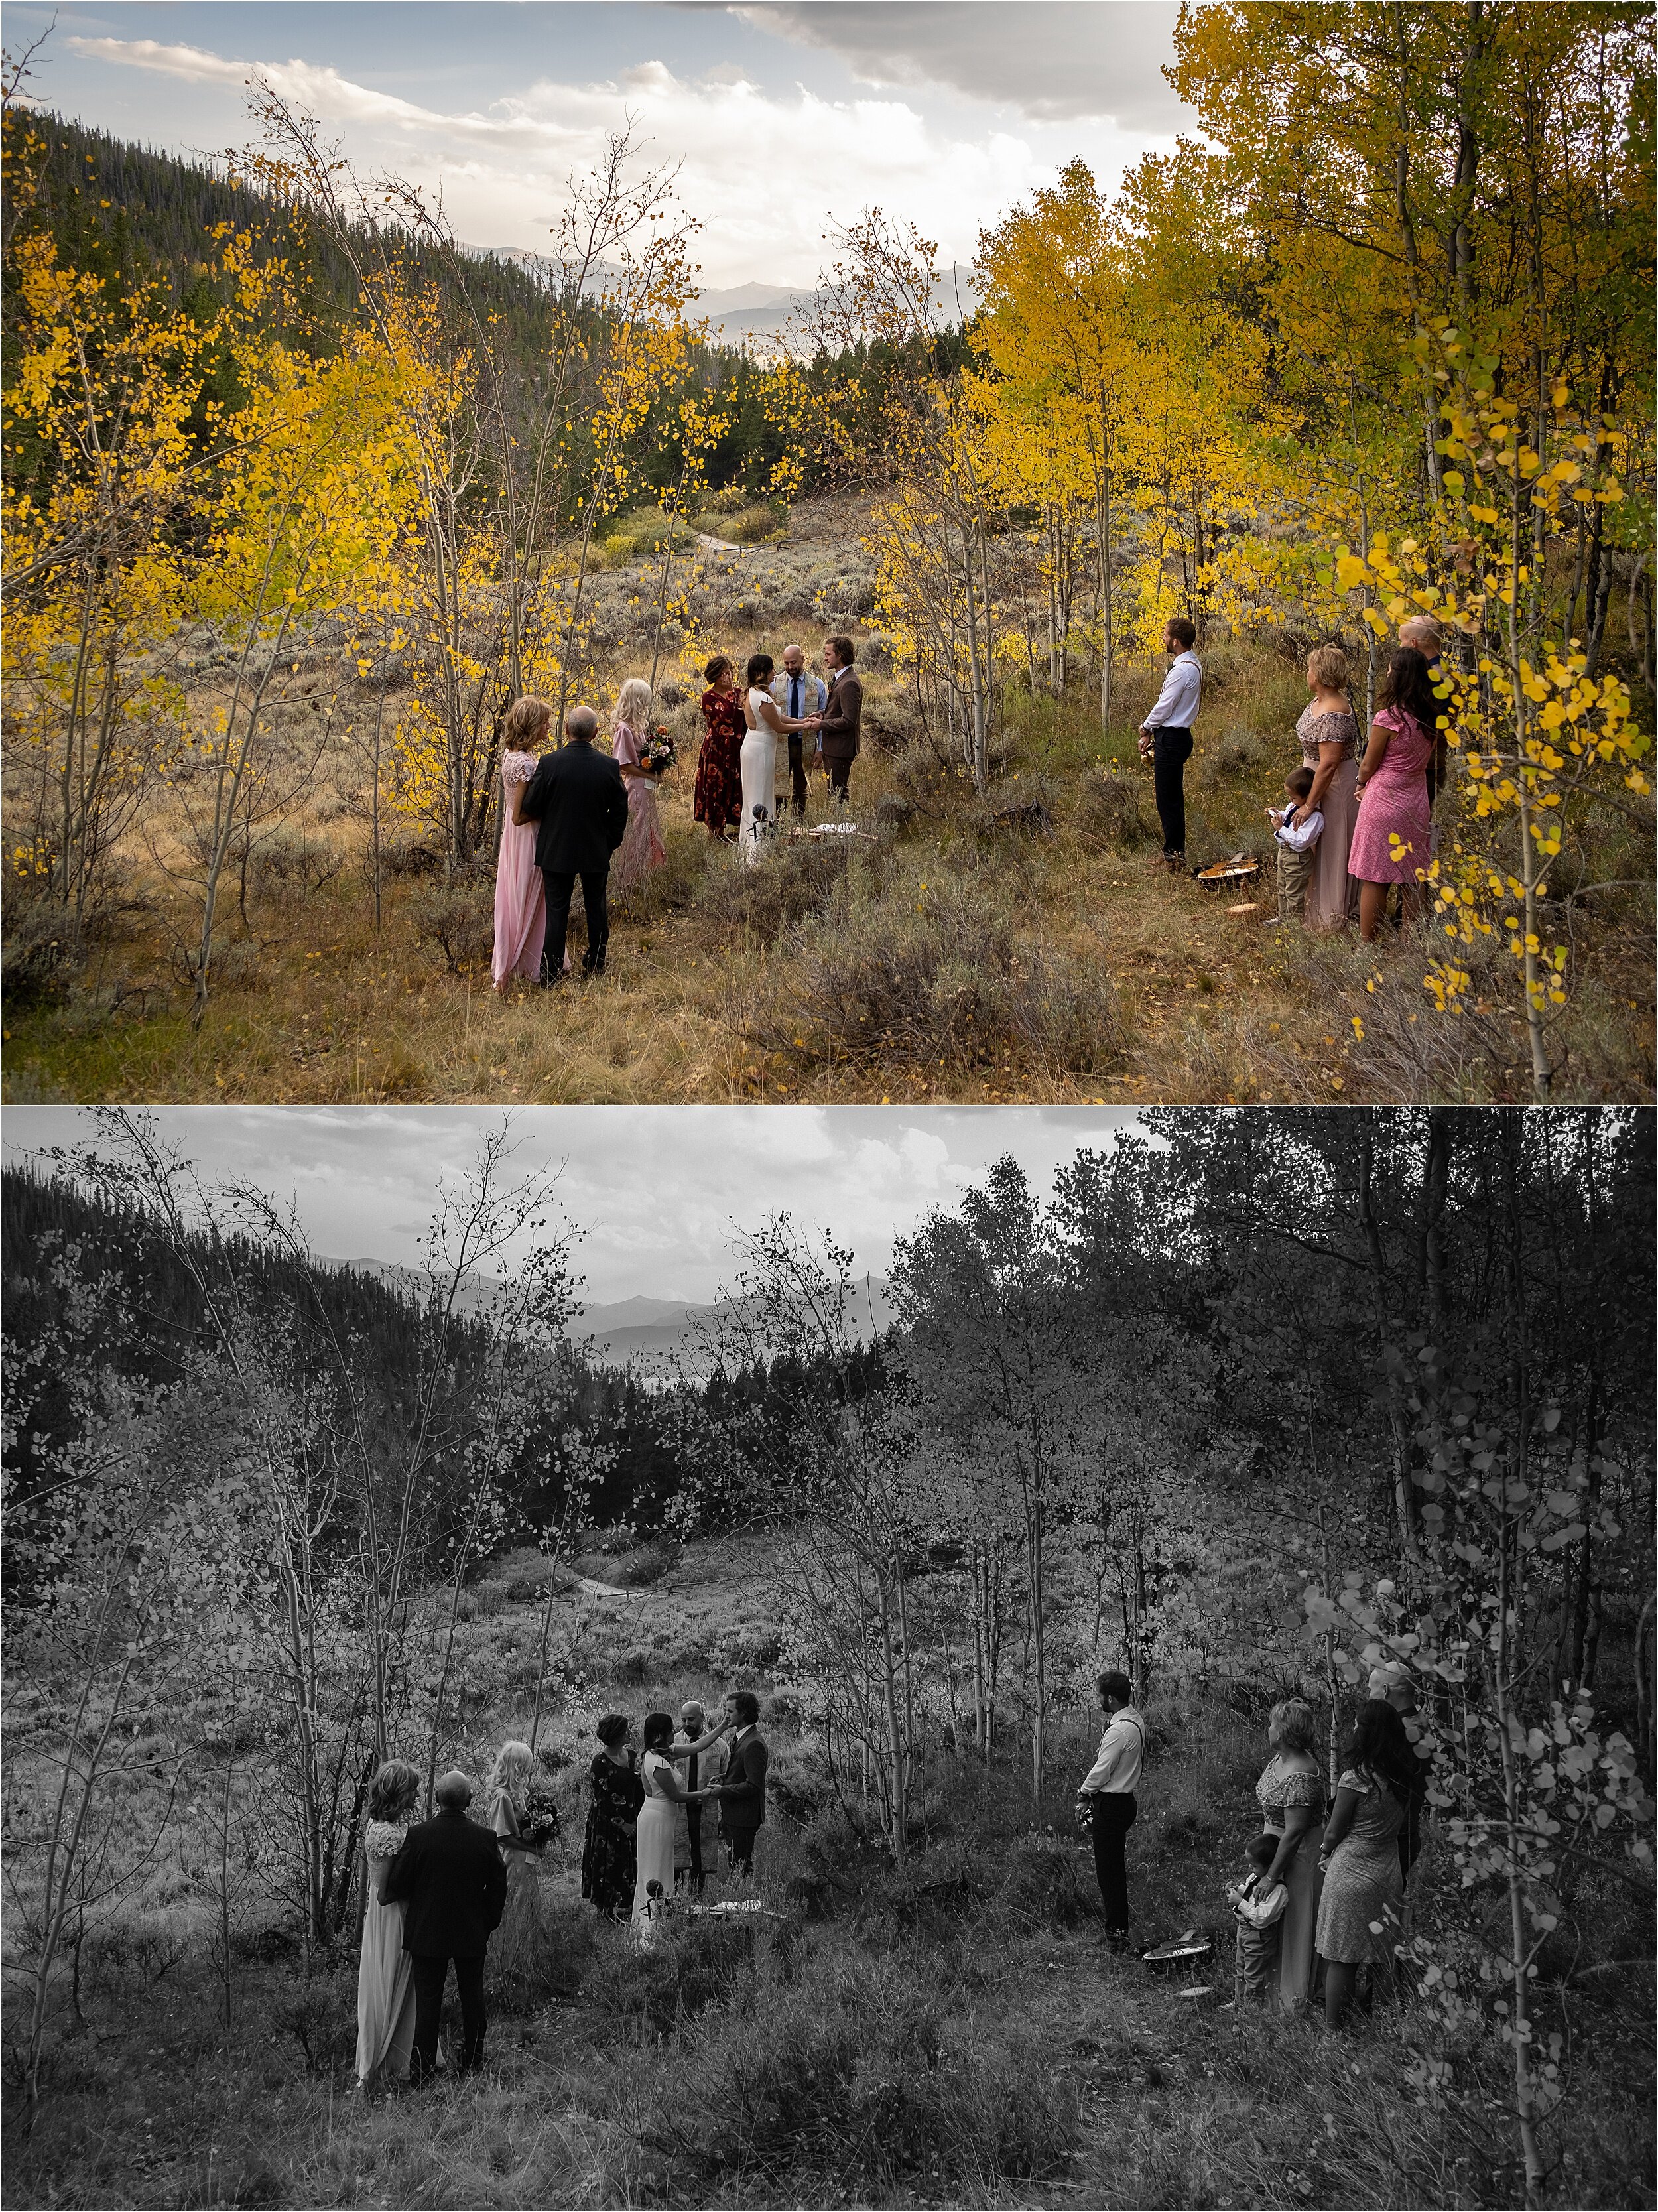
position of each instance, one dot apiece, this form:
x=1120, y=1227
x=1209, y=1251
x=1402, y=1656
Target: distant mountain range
x=759, y=314
x=646, y=1334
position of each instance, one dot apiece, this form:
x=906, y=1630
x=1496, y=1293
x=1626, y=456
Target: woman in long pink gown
x=520, y=890
x=641, y=848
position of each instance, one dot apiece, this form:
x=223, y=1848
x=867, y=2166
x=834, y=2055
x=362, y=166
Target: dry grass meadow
x=1022, y=946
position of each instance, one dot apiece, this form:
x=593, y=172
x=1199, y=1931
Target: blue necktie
x=795, y=698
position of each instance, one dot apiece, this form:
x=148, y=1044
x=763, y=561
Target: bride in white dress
x=386, y=1985
x=766, y=722
x=664, y=1792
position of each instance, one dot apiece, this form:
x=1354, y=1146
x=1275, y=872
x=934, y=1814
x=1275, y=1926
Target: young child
x=1294, y=846
x=1257, y=1907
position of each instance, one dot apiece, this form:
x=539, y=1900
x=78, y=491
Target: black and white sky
x=659, y=1191
x=785, y=117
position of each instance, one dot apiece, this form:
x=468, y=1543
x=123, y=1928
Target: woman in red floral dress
x=718, y=799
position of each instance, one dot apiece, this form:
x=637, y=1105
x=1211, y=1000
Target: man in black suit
x=742, y=1788
x=451, y=1875
x=579, y=800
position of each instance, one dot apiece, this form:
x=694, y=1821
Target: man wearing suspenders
x=1107, y=1800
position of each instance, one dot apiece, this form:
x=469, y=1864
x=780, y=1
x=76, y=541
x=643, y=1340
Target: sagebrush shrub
x=946, y=982
x=1112, y=810
x=793, y=880
x=457, y=915
x=833, y=2056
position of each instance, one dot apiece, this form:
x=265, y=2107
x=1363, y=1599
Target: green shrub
x=1047, y=1880
x=946, y=981
x=1112, y=810
x=755, y=523
x=690, y=1965
x=287, y=862
x=42, y=946
x=457, y=915
x=794, y=880
x=832, y=2061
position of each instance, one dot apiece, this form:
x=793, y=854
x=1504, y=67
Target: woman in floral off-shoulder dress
x=386, y=1985
x=520, y=888
x=1291, y=1795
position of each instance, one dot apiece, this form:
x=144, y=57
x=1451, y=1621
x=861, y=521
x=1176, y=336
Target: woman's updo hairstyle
x=716, y=668
x=393, y=1791
x=657, y=1730
x=612, y=1728
x=760, y=666
x=1290, y=1726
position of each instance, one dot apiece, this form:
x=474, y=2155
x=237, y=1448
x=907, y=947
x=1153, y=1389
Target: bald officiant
x=798, y=692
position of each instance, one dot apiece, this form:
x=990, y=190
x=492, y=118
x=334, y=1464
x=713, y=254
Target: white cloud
x=661, y=1191
x=766, y=173
x=1050, y=59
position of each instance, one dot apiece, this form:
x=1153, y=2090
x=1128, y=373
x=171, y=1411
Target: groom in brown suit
x=838, y=723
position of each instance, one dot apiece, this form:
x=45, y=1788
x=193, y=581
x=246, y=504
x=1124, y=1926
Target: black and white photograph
x=906, y=1656
x=828, y=1095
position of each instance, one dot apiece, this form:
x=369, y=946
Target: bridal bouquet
x=658, y=753
x=540, y=1824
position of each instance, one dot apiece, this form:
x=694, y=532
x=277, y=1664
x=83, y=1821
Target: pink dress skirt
x=520, y=888
x=1394, y=805
x=641, y=848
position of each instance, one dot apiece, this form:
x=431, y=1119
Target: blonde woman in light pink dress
x=521, y=888
x=641, y=848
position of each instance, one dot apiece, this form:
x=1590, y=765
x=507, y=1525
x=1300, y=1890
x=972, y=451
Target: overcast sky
x=658, y=1189
x=785, y=117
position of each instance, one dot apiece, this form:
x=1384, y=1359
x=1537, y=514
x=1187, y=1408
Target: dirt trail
x=591, y=1588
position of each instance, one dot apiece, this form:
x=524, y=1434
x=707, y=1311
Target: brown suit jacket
x=841, y=719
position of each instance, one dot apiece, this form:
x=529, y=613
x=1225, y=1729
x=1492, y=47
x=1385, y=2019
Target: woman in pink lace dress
x=1390, y=843
x=385, y=1983
x=520, y=891
x=641, y=848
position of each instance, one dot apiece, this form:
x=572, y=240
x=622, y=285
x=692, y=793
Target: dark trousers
x=561, y=883
x=694, y=1873
x=429, y=1977
x=797, y=771
x=739, y=1846
x=1113, y=1816
x=1170, y=750
x=838, y=772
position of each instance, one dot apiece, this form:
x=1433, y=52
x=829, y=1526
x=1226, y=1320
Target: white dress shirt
x=1297, y=840
x=1116, y=1771
x=1180, y=696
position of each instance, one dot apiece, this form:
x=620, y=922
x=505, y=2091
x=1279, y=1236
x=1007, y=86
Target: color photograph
x=830, y=553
